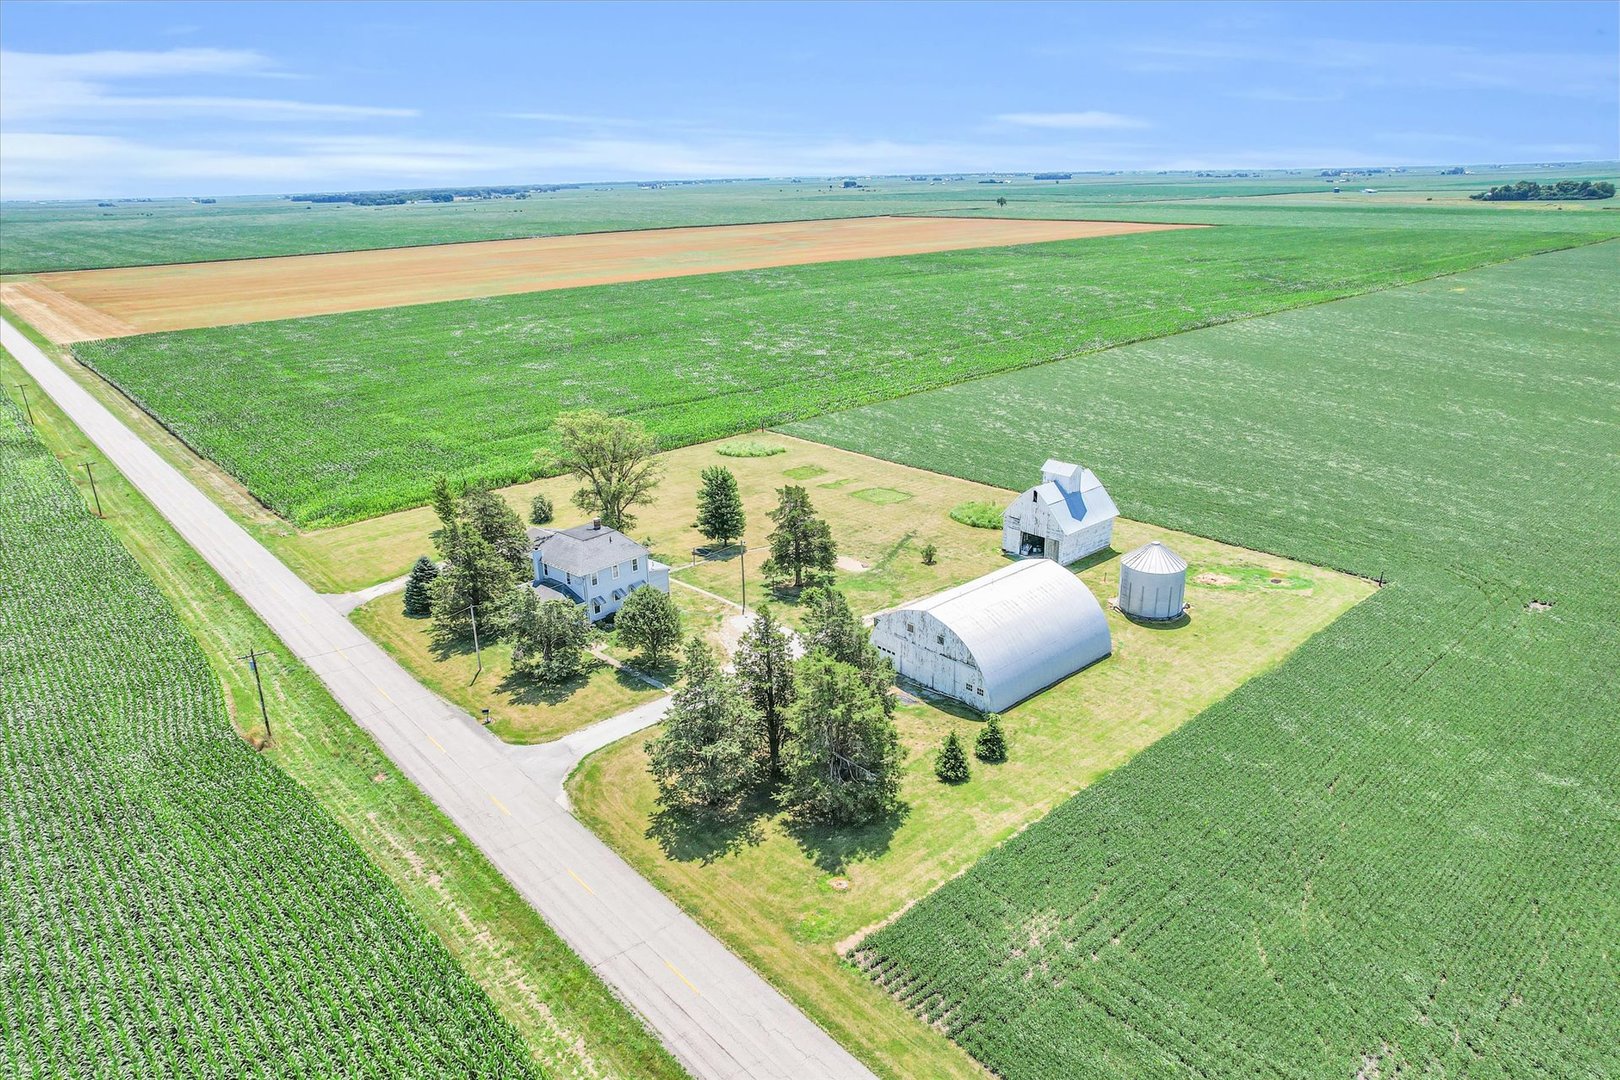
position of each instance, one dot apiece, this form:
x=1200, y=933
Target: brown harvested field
x=85, y=304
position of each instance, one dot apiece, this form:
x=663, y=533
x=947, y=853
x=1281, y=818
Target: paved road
x=714, y=1013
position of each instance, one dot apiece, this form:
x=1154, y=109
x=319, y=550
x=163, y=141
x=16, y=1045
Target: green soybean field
x=335, y=418
x=170, y=903
x=1395, y=854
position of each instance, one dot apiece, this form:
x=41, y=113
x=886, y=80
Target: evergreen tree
x=842, y=757
x=474, y=575
x=540, y=511
x=548, y=637
x=487, y=515
x=950, y=765
x=707, y=755
x=991, y=744
x=765, y=670
x=802, y=542
x=444, y=505
x=418, y=595
x=720, y=516
x=831, y=627
x=648, y=620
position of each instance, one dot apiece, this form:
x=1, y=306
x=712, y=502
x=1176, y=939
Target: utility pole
x=93, y=490
x=473, y=608
x=29, y=409
x=252, y=658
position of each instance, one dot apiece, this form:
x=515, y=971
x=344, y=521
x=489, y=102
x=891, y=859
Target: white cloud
x=87, y=87
x=1072, y=121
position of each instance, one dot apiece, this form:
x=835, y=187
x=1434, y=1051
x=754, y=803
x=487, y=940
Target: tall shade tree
x=707, y=757
x=832, y=627
x=649, y=621
x=802, y=543
x=843, y=755
x=765, y=670
x=720, y=516
x=614, y=457
x=548, y=637
x=488, y=515
x=418, y=592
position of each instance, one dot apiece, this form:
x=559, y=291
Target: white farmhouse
x=997, y=639
x=592, y=565
x=1065, y=517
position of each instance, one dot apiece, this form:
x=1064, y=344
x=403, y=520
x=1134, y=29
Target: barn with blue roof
x=1065, y=517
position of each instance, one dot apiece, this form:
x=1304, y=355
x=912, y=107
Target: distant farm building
x=1153, y=583
x=593, y=566
x=996, y=640
x=1065, y=517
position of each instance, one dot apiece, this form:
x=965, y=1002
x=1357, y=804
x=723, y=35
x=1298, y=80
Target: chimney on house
x=596, y=523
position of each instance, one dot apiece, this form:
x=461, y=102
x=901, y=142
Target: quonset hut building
x=996, y=640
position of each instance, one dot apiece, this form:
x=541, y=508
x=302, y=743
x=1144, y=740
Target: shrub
x=951, y=765
x=749, y=448
x=930, y=554
x=991, y=743
x=540, y=511
x=977, y=515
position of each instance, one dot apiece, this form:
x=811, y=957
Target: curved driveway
x=712, y=1010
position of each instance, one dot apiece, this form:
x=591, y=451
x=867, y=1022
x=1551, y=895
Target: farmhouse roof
x=1027, y=625
x=584, y=549
x=1154, y=558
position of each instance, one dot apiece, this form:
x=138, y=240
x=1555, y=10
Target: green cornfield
x=1395, y=854
x=330, y=419
x=170, y=903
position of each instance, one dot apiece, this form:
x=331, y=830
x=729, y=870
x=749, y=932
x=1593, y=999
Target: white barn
x=996, y=640
x=1065, y=517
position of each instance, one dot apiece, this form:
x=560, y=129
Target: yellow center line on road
x=384, y=693
x=435, y=742
x=683, y=978
x=500, y=804
x=581, y=881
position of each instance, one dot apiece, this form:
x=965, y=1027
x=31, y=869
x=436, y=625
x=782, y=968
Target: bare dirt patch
x=60, y=318
x=1215, y=579
x=114, y=303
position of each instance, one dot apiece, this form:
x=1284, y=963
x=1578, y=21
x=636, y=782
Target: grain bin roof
x=1027, y=625
x=1155, y=558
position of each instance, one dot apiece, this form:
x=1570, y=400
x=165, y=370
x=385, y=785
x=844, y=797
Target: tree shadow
x=833, y=847
x=690, y=835
x=522, y=690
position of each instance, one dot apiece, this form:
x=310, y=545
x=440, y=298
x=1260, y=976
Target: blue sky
x=220, y=98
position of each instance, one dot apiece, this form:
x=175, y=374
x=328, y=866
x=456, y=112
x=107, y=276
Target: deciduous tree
x=802, y=543
x=707, y=756
x=615, y=458
x=540, y=510
x=648, y=620
x=548, y=637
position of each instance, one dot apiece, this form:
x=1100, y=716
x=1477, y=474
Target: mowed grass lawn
x=331, y=419
x=1392, y=853
x=786, y=897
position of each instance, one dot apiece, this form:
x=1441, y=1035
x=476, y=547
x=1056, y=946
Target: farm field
x=88, y=304
x=1389, y=854
x=335, y=418
x=39, y=237
x=571, y=1023
x=787, y=897
x=194, y=874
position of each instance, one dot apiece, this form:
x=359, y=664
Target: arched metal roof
x=1154, y=558
x=1027, y=625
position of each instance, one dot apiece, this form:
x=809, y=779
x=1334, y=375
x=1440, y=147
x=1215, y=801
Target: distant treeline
x=400, y=198
x=1528, y=190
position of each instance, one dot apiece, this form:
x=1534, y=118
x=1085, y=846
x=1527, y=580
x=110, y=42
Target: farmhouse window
x=635, y=564
x=596, y=607
x=940, y=638
x=980, y=691
x=615, y=571
x=593, y=579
